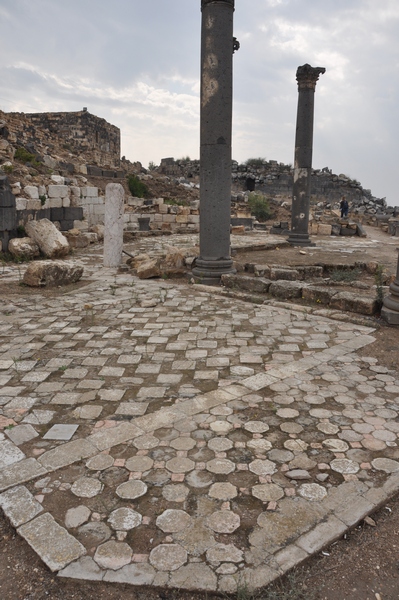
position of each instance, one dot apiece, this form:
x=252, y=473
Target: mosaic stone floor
x=173, y=437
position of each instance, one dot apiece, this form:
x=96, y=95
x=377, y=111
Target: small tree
x=136, y=187
x=259, y=207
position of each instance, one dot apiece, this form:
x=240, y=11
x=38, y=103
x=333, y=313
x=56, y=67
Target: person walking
x=344, y=206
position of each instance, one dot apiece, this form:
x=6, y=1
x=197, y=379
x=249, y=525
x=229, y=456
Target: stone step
x=287, y=290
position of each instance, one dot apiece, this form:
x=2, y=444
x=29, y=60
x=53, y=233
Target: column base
x=390, y=316
x=209, y=272
x=299, y=239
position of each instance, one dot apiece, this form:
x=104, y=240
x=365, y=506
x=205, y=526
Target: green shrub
x=255, y=163
x=7, y=169
x=137, y=188
x=26, y=157
x=345, y=275
x=152, y=166
x=259, y=207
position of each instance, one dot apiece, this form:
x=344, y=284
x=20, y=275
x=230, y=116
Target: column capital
x=307, y=76
x=206, y=2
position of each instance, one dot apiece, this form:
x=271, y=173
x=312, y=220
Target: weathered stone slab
x=67, y=454
x=84, y=568
x=19, y=472
x=60, y=431
x=19, y=505
x=194, y=576
x=21, y=434
x=9, y=453
x=55, y=546
x=134, y=574
x=50, y=241
x=107, y=438
x=44, y=273
x=322, y=535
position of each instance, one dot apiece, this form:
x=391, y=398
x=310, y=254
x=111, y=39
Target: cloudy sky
x=136, y=63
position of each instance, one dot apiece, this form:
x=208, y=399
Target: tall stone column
x=113, y=224
x=390, y=310
x=217, y=46
x=307, y=77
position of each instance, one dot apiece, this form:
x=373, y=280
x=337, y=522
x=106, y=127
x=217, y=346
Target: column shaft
x=307, y=77
x=215, y=140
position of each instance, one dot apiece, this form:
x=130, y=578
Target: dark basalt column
x=307, y=77
x=390, y=310
x=217, y=47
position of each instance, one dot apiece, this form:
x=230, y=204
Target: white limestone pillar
x=113, y=224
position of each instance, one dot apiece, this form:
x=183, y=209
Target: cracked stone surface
x=183, y=410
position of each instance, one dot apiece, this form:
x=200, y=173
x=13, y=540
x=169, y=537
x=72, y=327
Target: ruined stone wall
x=79, y=132
x=275, y=179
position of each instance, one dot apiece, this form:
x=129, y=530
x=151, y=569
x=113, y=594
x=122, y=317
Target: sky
x=136, y=63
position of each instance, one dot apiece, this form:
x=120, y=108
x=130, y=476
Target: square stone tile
x=60, y=431
x=112, y=372
x=133, y=409
x=21, y=434
x=88, y=411
x=111, y=395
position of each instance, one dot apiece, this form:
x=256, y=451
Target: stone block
x=163, y=209
x=32, y=192
x=361, y=232
x=261, y=270
x=323, y=229
x=90, y=192
x=181, y=219
x=286, y=289
x=354, y=303
x=50, y=241
x=43, y=273
x=335, y=229
x=66, y=202
x=193, y=219
x=21, y=203
x=277, y=273
x=309, y=271
x=347, y=231
x=73, y=213
x=55, y=202
x=76, y=241
x=58, y=191
x=23, y=248
x=33, y=205
x=252, y=284
x=169, y=218
x=75, y=191
x=8, y=219
x=318, y=294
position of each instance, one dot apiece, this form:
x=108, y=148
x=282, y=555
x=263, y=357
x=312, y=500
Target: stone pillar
x=307, y=77
x=217, y=46
x=113, y=224
x=390, y=309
